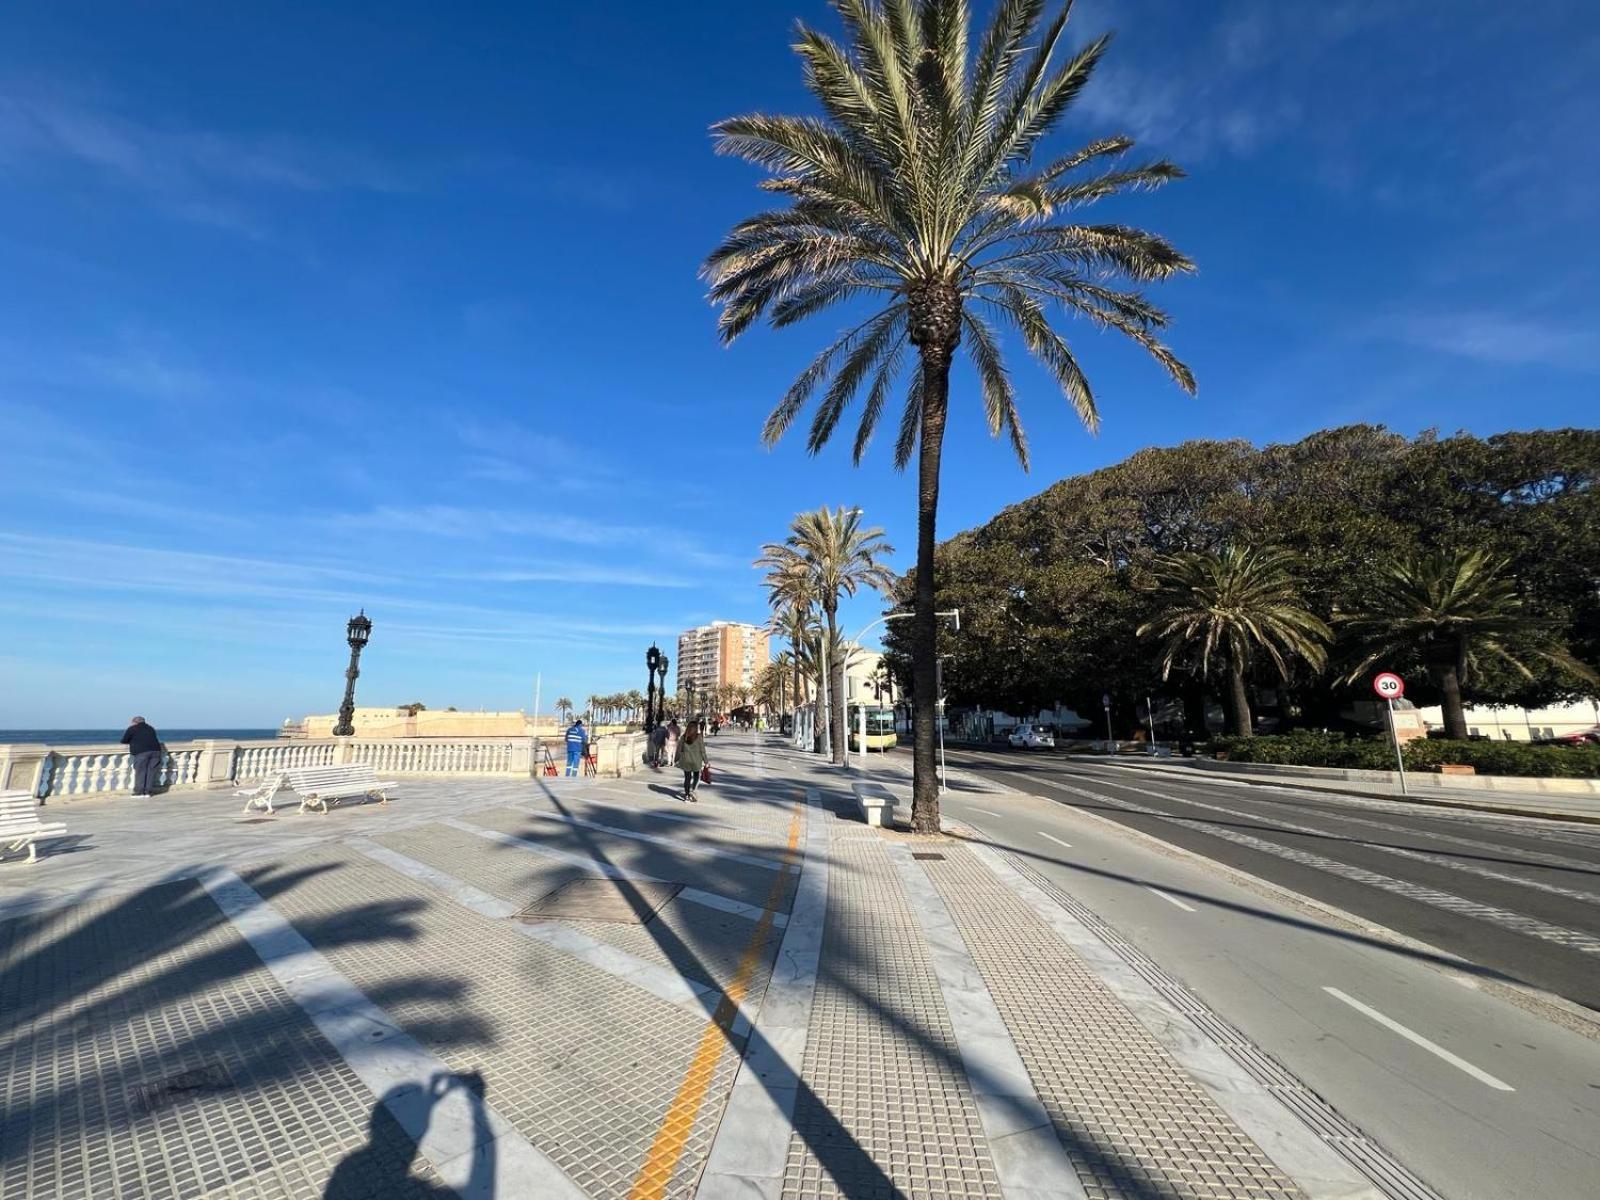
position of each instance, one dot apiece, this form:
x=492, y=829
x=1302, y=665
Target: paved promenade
x=567, y=988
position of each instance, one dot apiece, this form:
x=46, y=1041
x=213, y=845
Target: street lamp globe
x=358, y=630
x=652, y=658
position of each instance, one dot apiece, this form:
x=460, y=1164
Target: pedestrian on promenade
x=692, y=760
x=577, y=746
x=144, y=744
x=658, y=746
x=669, y=752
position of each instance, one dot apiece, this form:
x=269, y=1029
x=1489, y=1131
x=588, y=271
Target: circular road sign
x=1389, y=686
x=1105, y=700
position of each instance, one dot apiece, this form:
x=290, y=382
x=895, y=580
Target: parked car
x=1032, y=737
x=1583, y=737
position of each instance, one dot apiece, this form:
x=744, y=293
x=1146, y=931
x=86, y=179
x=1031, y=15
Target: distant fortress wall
x=396, y=723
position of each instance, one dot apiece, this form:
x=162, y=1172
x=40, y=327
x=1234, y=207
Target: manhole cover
x=186, y=1085
x=928, y=856
x=596, y=898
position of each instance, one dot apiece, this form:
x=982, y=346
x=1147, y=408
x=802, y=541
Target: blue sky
x=315, y=306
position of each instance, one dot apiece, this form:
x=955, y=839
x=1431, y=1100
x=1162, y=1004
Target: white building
x=1523, y=724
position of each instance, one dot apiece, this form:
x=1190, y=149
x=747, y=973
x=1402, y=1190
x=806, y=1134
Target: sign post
x=1390, y=687
x=1105, y=702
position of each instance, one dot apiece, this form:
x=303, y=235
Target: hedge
x=1307, y=748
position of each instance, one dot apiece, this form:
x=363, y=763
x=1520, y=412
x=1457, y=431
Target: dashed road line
x=1052, y=838
x=1412, y=1035
x=1171, y=899
x=1572, y=939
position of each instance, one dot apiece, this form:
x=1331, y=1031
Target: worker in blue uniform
x=577, y=745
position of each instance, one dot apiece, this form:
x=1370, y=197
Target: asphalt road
x=1479, y=1097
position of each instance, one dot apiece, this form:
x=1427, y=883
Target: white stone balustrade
x=74, y=771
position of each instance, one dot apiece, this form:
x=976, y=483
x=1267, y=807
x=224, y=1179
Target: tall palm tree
x=564, y=707
x=1233, y=604
x=843, y=557
x=789, y=592
x=924, y=187
x=1451, y=609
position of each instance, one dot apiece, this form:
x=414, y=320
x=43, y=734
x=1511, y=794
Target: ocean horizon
x=91, y=737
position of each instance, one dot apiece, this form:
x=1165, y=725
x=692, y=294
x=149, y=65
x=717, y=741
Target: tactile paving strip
x=1134, y=1123
x=582, y=1065
x=889, y=1113
x=109, y=997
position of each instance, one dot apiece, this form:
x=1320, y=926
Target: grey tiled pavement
x=119, y=972
x=1132, y=1121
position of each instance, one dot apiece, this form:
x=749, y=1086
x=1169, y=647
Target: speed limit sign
x=1389, y=686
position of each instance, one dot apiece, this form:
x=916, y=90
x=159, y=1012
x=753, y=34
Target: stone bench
x=875, y=802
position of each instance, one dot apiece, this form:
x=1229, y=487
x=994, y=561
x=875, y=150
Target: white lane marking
x=1171, y=899
x=986, y=812
x=1572, y=939
x=1411, y=1036
x=1056, y=840
x=469, y=1142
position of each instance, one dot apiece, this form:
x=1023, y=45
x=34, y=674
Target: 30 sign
x=1389, y=686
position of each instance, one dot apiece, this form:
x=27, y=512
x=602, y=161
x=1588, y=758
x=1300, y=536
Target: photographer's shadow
x=383, y=1167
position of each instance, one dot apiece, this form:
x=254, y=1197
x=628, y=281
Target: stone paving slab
x=1134, y=1123
x=109, y=997
x=679, y=861
x=889, y=1111
x=583, y=1067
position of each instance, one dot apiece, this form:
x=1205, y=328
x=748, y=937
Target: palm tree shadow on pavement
x=150, y=1007
x=832, y=1143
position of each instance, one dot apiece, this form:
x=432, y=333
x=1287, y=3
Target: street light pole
x=357, y=631
x=652, y=660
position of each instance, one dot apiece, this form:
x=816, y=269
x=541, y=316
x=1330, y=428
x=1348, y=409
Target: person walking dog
x=692, y=760
x=577, y=746
x=144, y=744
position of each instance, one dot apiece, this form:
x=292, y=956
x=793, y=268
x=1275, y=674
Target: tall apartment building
x=721, y=652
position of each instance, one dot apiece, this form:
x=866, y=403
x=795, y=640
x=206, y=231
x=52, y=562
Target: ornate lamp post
x=691, y=690
x=661, y=692
x=356, y=633
x=652, y=662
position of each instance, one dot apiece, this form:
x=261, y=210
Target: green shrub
x=1307, y=748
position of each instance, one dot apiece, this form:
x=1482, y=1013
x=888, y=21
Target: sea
x=95, y=737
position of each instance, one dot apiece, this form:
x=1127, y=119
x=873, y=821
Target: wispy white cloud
x=1498, y=337
x=202, y=175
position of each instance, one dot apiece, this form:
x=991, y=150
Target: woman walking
x=691, y=759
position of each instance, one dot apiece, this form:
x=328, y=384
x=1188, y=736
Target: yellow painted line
x=673, y=1135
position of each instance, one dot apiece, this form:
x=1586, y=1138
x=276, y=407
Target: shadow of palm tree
x=117, y=1013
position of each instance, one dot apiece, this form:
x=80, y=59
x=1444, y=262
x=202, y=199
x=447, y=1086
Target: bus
x=880, y=728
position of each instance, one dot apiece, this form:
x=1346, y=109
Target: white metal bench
x=318, y=785
x=261, y=795
x=20, y=825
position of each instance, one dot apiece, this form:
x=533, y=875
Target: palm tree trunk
x=1448, y=680
x=925, y=621
x=794, y=699
x=836, y=723
x=1239, y=714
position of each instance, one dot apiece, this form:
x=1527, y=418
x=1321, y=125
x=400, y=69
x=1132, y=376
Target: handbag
x=705, y=773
